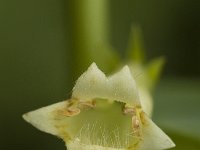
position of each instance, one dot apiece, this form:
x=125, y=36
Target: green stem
x=89, y=28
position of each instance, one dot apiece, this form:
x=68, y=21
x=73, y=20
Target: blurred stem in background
x=136, y=50
x=89, y=36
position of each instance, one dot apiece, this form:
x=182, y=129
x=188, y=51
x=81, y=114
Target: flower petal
x=153, y=137
x=76, y=145
x=146, y=101
x=44, y=118
x=94, y=84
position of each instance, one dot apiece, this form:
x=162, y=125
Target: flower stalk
x=89, y=32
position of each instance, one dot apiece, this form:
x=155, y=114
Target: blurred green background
x=38, y=64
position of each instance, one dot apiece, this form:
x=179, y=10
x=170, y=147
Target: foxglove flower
x=103, y=113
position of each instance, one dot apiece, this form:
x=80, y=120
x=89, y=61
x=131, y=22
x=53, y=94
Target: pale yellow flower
x=104, y=113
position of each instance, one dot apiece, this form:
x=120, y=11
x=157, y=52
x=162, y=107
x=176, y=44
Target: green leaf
x=177, y=105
